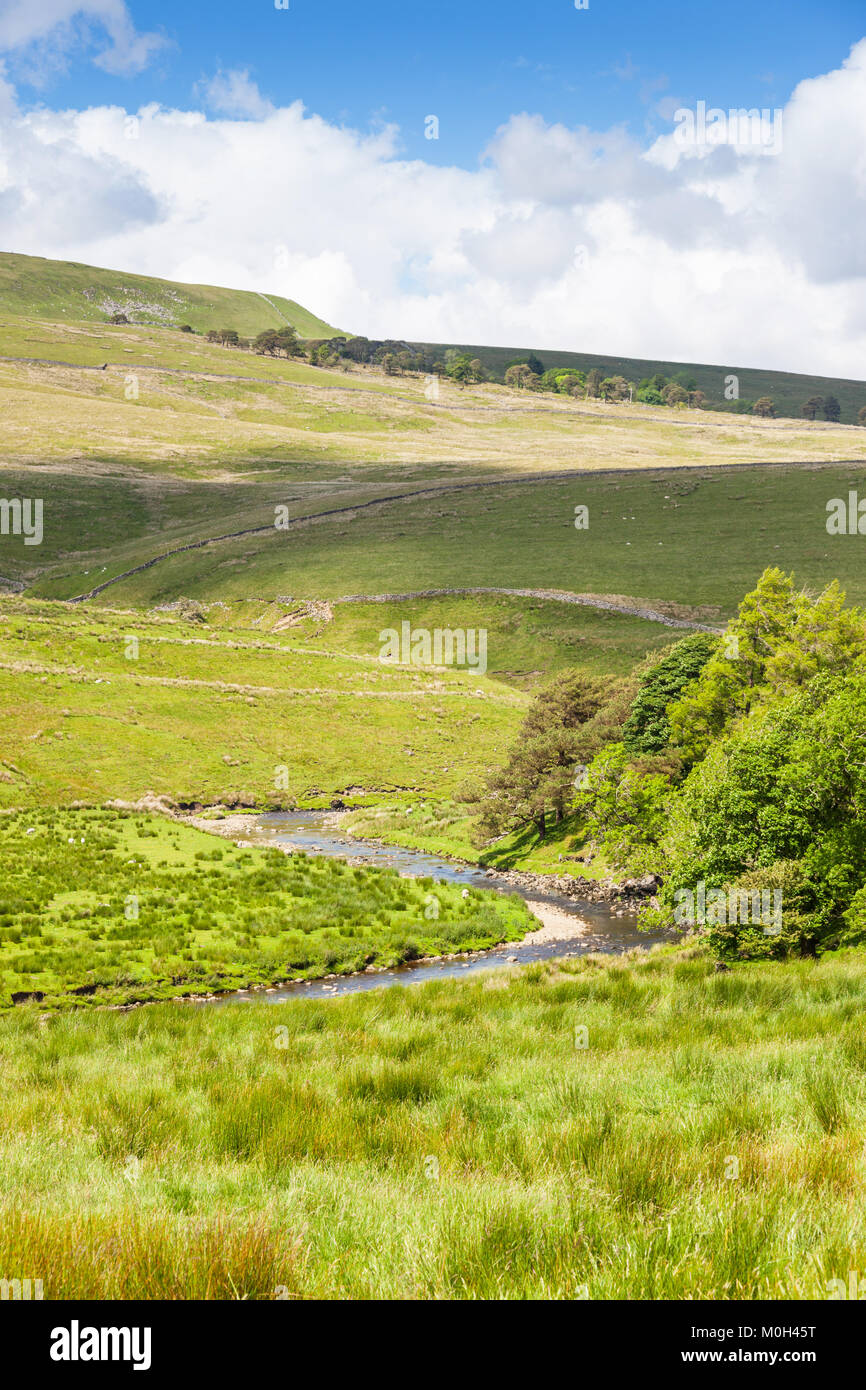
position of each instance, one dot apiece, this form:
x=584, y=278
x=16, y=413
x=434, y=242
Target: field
x=648, y=540
x=123, y=908
x=449, y=1140
x=170, y=402
x=103, y=704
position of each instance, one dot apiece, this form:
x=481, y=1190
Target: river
x=315, y=833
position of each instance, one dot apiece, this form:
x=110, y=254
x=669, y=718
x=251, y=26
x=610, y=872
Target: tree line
x=732, y=762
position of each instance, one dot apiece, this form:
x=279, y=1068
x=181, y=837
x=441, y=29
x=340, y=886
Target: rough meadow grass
x=449, y=1140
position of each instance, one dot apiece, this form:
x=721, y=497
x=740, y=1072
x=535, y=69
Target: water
x=312, y=832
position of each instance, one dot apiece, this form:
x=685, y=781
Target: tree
x=614, y=388
x=647, y=729
x=696, y=399
x=832, y=408
x=274, y=342
x=812, y=406
x=228, y=337
x=648, y=395
x=539, y=774
x=861, y=415
x=535, y=364
x=623, y=808
x=777, y=642
x=465, y=369
x=389, y=364
x=686, y=380
x=186, y=328
x=520, y=376
x=594, y=378
x=570, y=383
x=675, y=394
x=764, y=407
x=118, y=317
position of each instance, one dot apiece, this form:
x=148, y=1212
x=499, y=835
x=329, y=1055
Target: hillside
x=58, y=290
x=788, y=390
x=154, y=397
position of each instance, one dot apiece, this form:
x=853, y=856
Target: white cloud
x=50, y=27
x=562, y=238
x=234, y=93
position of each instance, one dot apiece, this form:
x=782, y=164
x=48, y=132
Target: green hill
x=788, y=390
x=57, y=290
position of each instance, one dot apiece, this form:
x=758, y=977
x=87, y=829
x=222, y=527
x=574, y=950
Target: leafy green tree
x=647, y=729
x=832, y=408
x=764, y=406
x=614, y=388
x=463, y=369
x=623, y=809
x=861, y=415
x=812, y=407
x=571, y=383
x=276, y=342
x=594, y=378
x=787, y=785
x=779, y=639
x=675, y=394
x=538, y=777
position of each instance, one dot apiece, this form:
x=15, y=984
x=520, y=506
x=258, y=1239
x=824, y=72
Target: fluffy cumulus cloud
x=561, y=237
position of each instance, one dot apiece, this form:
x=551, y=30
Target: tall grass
x=449, y=1140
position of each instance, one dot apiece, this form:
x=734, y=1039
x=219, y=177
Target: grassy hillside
x=169, y=401
x=450, y=1140
x=789, y=390
x=697, y=539
x=208, y=715
x=39, y=288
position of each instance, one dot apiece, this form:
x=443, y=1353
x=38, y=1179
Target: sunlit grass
x=450, y=1140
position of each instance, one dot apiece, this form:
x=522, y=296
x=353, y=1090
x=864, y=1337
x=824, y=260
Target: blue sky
x=474, y=63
